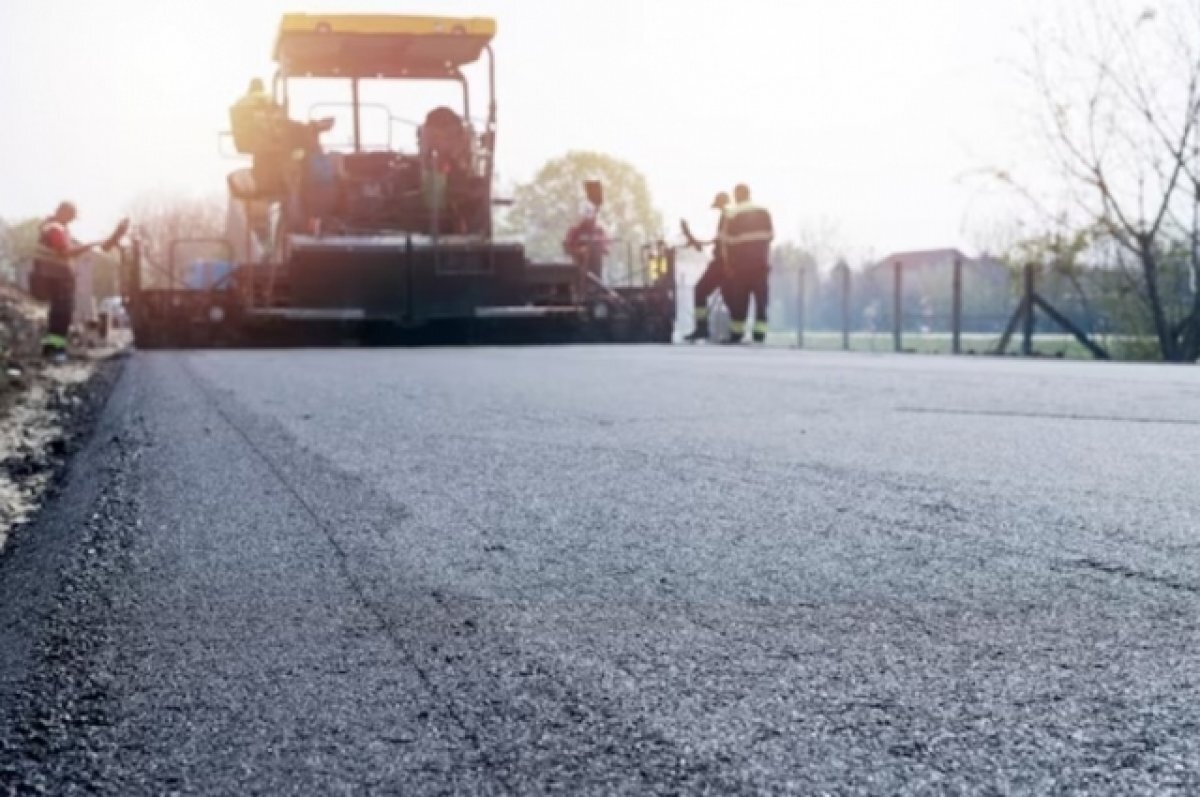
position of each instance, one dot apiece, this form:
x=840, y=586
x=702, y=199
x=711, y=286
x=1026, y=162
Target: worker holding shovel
x=53, y=276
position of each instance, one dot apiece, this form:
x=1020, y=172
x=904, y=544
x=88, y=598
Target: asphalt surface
x=608, y=571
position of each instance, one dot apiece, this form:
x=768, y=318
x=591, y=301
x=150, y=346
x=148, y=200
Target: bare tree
x=1120, y=93
x=161, y=218
x=822, y=239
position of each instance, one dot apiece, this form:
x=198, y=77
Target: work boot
x=54, y=348
x=760, y=332
x=737, y=331
x=54, y=355
x=699, y=333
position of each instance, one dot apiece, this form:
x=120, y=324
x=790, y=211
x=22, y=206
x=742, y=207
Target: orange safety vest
x=54, y=242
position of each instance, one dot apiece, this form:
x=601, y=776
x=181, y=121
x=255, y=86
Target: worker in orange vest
x=587, y=243
x=53, y=277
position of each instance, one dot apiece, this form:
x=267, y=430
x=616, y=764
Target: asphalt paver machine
x=383, y=236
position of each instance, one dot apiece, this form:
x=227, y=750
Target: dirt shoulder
x=45, y=414
x=44, y=409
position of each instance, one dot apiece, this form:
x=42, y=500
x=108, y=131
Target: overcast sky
x=866, y=114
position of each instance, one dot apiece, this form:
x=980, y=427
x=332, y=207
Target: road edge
x=35, y=565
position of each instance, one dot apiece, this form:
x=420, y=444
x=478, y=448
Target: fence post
x=845, y=269
x=898, y=307
x=801, y=296
x=956, y=309
x=672, y=279
x=1027, y=330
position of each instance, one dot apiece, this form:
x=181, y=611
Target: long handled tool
x=692, y=241
x=113, y=240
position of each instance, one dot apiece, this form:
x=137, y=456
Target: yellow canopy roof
x=377, y=45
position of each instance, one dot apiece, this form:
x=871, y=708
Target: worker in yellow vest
x=746, y=247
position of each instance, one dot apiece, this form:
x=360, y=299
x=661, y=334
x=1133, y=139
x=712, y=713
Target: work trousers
x=593, y=261
x=711, y=281
x=55, y=283
x=746, y=283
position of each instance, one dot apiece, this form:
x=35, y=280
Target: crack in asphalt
x=1121, y=571
x=1049, y=416
x=387, y=626
x=571, y=698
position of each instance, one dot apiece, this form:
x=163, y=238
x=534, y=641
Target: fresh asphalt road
x=620, y=570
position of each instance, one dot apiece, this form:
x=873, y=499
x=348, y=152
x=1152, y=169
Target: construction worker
x=746, y=246
x=587, y=243
x=714, y=277
x=256, y=120
x=53, y=278
x=259, y=126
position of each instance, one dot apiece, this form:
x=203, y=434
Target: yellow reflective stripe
x=702, y=313
x=749, y=224
x=745, y=207
x=56, y=341
x=750, y=237
x=737, y=327
x=760, y=327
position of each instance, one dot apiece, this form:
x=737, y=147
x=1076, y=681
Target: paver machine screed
x=387, y=233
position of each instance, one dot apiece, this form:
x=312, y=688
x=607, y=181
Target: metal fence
x=959, y=307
